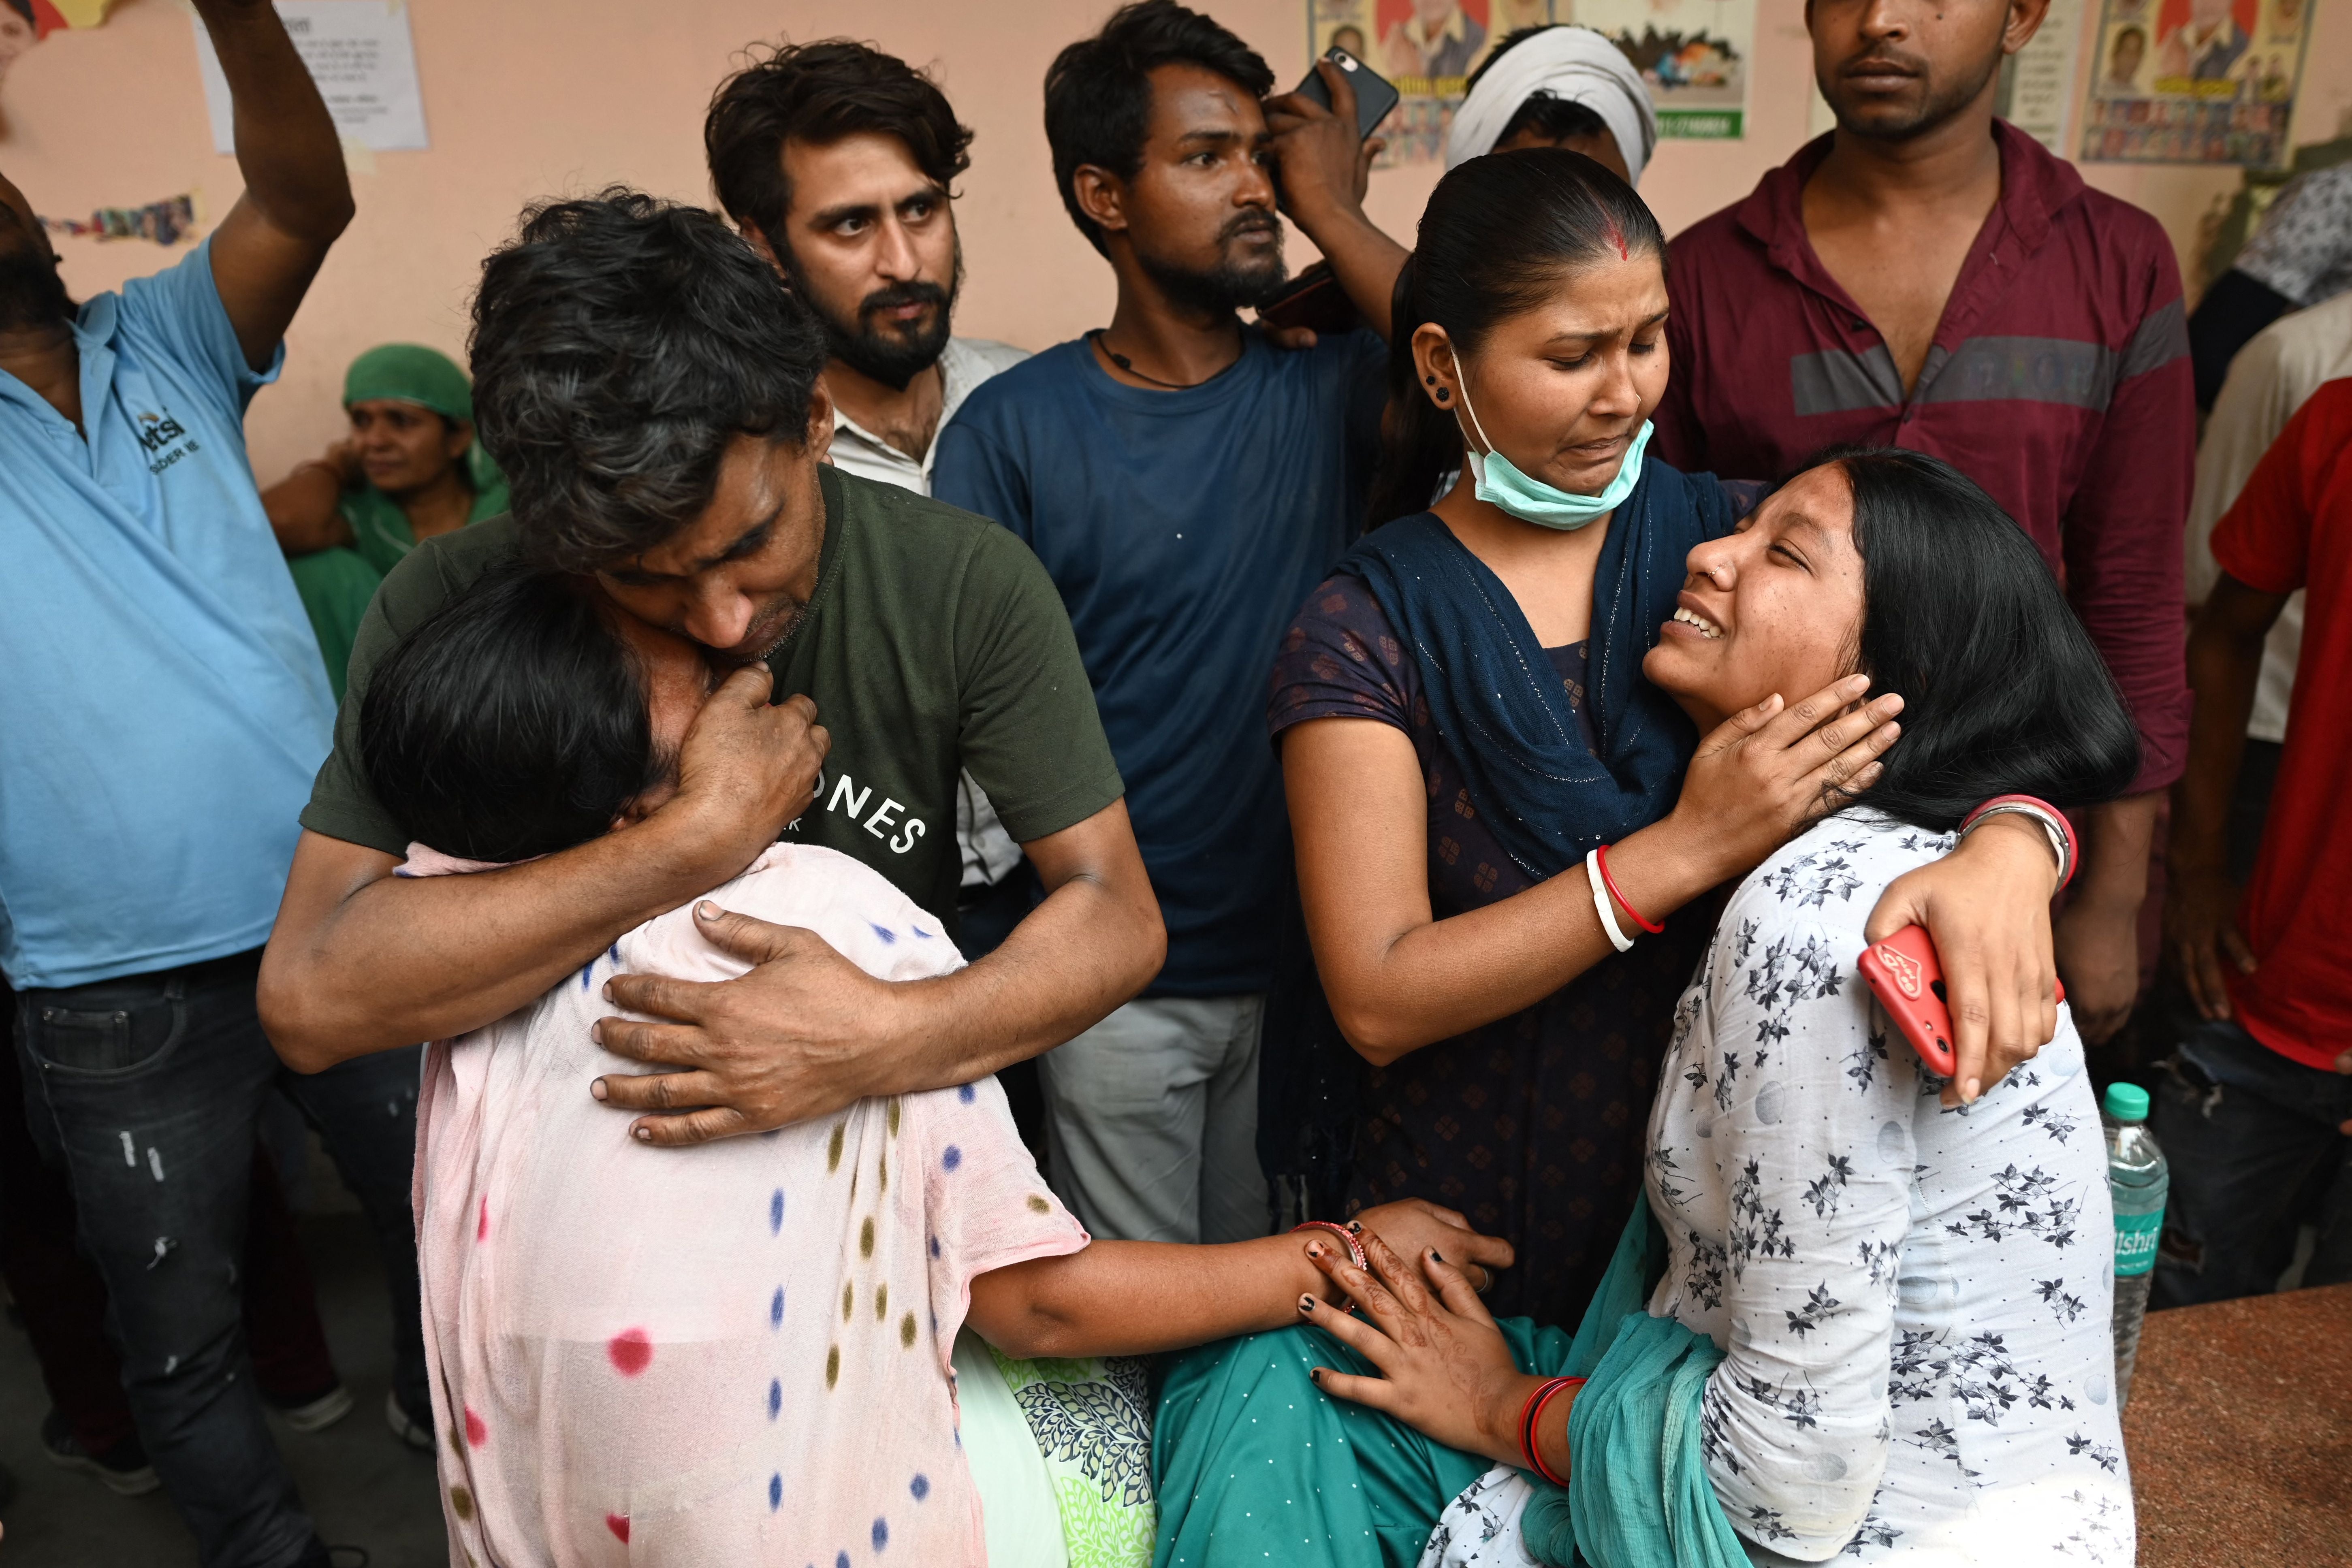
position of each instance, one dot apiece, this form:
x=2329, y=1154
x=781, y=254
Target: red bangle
x=1356, y=1254
x=1531, y=1413
x=1601, y=855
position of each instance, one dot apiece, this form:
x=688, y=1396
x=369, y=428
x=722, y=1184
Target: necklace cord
x=1097, y=338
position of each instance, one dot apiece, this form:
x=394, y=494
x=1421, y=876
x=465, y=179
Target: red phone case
x=1909, y=983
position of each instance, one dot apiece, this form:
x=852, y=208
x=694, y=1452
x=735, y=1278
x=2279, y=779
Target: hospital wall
x=525, y=99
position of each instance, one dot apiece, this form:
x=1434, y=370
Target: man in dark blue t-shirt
x=1186, y=485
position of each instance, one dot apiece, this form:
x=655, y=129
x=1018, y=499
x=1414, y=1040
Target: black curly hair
x=820, y=93
x=619, y=344
x=1099, y=90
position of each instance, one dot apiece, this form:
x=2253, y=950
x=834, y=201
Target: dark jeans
x=146, y=1090
x=2253, y=1142
x=64, y=1300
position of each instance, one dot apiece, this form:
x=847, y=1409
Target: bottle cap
x=2126, y=1102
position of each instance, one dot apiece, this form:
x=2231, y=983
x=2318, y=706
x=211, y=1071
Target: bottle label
x=2136, y=1236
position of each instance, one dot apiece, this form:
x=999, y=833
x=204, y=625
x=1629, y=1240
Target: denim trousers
x=2251, y=1140
x=146, y=1091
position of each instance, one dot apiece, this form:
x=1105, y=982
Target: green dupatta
x=338, y=584
x=1255, y=1464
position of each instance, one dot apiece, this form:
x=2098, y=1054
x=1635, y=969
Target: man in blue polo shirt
x=166, y=710
x=1187, y=485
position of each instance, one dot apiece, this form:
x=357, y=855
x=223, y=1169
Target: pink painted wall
x=524, y=99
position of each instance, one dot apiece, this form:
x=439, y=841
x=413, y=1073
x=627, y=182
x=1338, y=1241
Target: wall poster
x=167, y=222
x=24, y=23
x=2195, y=81
x=360, y=55
x=1427, y=48
x=1693, y=54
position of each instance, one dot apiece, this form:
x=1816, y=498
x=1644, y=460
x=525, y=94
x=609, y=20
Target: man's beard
x=1231, y=284
x=1936, y=105
x=32, y=294
x=877, y=352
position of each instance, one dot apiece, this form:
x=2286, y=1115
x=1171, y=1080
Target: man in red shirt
x=2253, y=1117
x=1929, y=276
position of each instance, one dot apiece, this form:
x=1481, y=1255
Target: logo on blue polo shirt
x=164, y=440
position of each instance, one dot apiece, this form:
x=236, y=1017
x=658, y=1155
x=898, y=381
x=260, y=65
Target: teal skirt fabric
x=1256, y=1465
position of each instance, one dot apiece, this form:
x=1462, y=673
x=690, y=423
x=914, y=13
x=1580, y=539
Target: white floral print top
x=1914, y=1302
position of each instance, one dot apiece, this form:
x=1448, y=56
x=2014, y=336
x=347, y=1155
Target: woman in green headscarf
x=411, y=468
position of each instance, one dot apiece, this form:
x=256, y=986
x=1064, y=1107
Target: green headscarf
x=337, y=584
x=411, y=372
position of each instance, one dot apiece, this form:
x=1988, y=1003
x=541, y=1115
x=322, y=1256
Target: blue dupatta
x=1496, y=700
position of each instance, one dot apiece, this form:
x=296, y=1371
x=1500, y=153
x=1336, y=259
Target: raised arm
x=1325, y=169
x=298, y=197
x=1399, y=979
x=807, y=1032
x=362, y=961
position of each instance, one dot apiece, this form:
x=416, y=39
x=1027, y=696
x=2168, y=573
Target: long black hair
x=1498, y=234
x=2002, y=692
x=512, y=723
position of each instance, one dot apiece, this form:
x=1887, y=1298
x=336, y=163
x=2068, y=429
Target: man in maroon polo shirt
x=1929, y=277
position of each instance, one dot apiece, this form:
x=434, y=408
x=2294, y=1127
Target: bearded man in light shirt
x=835, y=160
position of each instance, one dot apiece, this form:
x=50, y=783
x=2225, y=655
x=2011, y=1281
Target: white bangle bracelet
x=1617, y=937
x=2061, y=840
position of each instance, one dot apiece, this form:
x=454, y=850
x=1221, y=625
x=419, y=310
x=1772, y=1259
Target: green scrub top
x=338, y=584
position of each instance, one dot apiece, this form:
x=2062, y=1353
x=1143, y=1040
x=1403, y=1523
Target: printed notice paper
x=2037, y=83
x=359, y=54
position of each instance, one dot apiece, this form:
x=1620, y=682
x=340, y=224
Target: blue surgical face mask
x=1496, y=480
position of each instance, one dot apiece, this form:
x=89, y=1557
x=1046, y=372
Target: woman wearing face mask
x=1466, y=734
x=1858, y=1323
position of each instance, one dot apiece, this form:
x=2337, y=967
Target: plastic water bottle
x=2138, y=1179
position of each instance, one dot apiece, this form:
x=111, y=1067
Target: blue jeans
x=2253, y=1142
x=146, y=1090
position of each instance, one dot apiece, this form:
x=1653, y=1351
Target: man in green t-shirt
x=652, y=389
